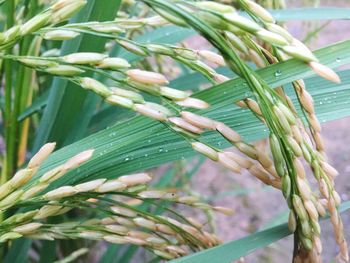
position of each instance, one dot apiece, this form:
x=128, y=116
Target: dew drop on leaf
x=278, y=73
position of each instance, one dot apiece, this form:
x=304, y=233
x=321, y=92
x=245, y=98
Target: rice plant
x=120, y=88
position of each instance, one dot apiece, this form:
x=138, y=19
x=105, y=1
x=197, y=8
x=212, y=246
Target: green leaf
x=38, y=104
x=233, y=250
x=66, y=100
x=18, y=251
x=304, y=14
x=141, y=143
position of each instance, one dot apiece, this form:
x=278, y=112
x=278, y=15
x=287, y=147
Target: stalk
x=9, y=156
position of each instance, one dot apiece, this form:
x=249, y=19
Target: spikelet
x=193, y=103
x=185, y=125
x=324, y=72
x=205, y=150
x=225, y=160
x=60, y=34
x=41, y=155
x=83, y=58
x=150, y=112
x=198, y=121
x=212, y=57
x=227, y=132
x=78, y=159
x=147, y=77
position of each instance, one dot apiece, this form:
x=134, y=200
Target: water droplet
x=338, y=60
x=126, y=159
x=278, y=73
x=112, y=134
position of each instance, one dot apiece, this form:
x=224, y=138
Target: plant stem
x=9, y=137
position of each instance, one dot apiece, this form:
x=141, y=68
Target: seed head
x=272, y=38
x=133, y=48
x=117, y=229
x=242, y=22
x=120, y=101
x=60, y=34
x=147, y=77
x=142, y=222
x=247, y=150
x=95, y=86
x=64, y=70
x=243, y=162
x=223, y=210
x=299, y=207
x=41, y=155
x=259, y=11
x=123, y=211
x=66, y=9
x=78, y=159
x=185, y=125
x=198, y=121
x=89, y=186
x=324, y=72
x=34, y=190
x=111, y=186
x=254, y=106
x=304, y=188
x=27, y=228
x=299, y=53
x=83, y=58
x=219, y=78
x=282, y=119
x=150, y=112
x=21, y=177
x=11, y=199
x=152, y=194
x=294, y=146
x=212, y=57
x=205, y=150
x=227, y=132
x=193, y=103
x=173, y=93
x=107, y=28
x=314, y=123
x=307, y=101
x=311, y=209
x=61, y=192
x=114, y=63
x=230, y=164
x=9, y=236
x=329, y=170
x=135, y=179
x=47, y=211
x=115, y=239
x=35, y=23
x=292, y=222
x=280, y=30
x=217, y=7
x=132, y=95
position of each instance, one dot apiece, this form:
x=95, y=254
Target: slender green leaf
x=18, y=251
x=141, y=143
x=328, y=13
x=66, y=100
